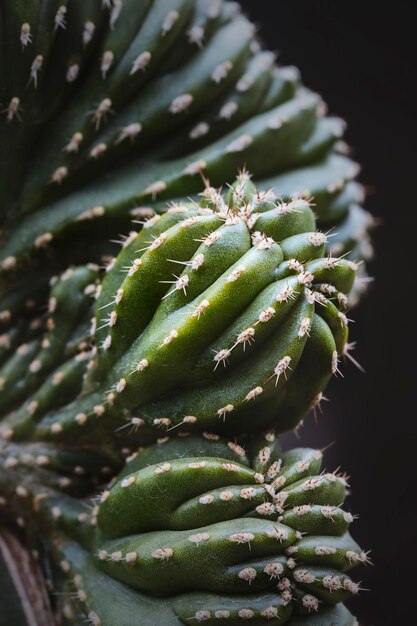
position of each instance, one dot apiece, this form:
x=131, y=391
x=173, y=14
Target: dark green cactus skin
x=252, y=534
x=222, y=316
x=112, y=105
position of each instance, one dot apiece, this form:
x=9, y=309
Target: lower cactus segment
x=268, y=532
x=210, y=531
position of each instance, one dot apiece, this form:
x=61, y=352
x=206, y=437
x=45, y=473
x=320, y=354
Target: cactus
x=224, y=314
x=109, y=106
x=202, y=321
x=210, y=530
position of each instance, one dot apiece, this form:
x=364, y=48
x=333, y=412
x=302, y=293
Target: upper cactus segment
x=110, y=104
x=269, y=524
x=213, y=314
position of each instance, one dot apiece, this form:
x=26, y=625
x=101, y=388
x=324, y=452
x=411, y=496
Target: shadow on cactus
x=225, y=315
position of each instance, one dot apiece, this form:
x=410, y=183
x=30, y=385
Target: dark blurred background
x=361, y=57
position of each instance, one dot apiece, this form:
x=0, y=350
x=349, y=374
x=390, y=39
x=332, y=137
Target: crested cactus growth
x=213, y=313
x=212, y=530
x=223, y=315
x=109, y=106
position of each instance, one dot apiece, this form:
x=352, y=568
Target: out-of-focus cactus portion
x=110, y=106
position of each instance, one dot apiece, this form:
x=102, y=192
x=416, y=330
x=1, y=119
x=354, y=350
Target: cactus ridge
x=167, y=90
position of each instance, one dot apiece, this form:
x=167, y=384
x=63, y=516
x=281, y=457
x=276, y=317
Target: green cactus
x=247, y=534
x=109, y=106
x=202, y=321
x=224, y=312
